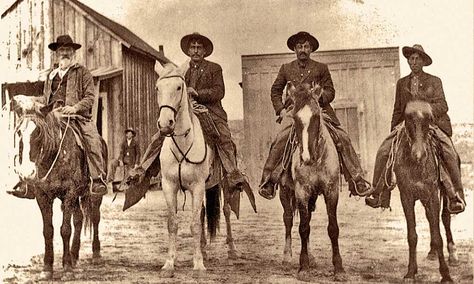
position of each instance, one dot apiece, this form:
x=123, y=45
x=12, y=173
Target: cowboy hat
x=417, y=48
x=293, y=40
x=63, y=41
x=130, y=130
x=206, y=42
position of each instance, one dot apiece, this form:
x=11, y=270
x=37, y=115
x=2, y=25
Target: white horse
x=185, y=161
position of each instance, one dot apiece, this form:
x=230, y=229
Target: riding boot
x=450, y=171
x=273, y=167
x=99, y=187
x=352, y=168
x=22, y=190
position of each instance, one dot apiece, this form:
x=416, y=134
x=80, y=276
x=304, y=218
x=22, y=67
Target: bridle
x=173, y=109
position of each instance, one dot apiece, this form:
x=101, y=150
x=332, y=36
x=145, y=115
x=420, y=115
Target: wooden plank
x=49, y=32
x=116, y=53
x=107, y=50
x=90, y=45
x=69, y=21
x=58, y=18
x=79, y=26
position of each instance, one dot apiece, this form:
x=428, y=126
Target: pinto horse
x=416, y=170
x=314, y=171
x=186, y=160
x=52, y=165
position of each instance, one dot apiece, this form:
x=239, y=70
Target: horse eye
x=179, y=88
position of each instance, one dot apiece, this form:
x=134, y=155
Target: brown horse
x=416, y=169
x=52, y=165
x=314, y=171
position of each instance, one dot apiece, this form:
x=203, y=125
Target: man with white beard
x=70, y=88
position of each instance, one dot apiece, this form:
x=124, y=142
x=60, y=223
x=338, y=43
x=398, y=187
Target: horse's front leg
x=286, y=199
x=452, y=250
x=77, y=220
x=46, y=206
x=232, y=252
x=95, y=220
x=170, y=194
x=66, y=236
x=331, y=199
x=198, y=191
x=432, y=208
x=408, y=203
x=304, y=230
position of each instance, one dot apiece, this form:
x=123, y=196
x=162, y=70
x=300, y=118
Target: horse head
x=418, y=117
x=172, y=97
x=34, y=134
x=307, y=115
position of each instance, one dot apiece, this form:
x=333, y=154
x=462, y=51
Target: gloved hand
x=69, y=110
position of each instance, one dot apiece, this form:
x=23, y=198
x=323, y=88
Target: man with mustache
x=70, y=88
x=205, y=85
x=419, y=85
x=304, y=70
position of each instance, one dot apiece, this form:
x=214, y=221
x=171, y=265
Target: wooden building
x=122, y=63
x=364, y=79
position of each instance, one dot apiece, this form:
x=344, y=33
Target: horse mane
x=417, y=106
x=47, y=135
x=302, y=96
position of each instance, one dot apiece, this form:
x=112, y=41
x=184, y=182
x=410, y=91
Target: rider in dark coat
x=305, y=70
x=419, y=85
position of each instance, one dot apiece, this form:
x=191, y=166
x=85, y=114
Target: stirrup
x=369, y=191
x=461, y=203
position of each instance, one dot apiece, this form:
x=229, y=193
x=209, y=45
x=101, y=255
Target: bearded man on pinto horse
x=62, y=156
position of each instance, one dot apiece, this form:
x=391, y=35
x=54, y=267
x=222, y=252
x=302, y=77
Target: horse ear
x=183, y=68
x=290, y=89
x=316, y=91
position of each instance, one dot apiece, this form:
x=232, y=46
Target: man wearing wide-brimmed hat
x=419, y=85
x=129, y=154
x=304, y=70
x=70, y=88
x=205, y=85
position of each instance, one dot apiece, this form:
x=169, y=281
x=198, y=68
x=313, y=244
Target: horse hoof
x=304, y=275
x=46, y=276
x=432, y=256
x=97, y=260
x=340, y=276
x=453, y=262
x=167, y=273
x=67, y=276
x=234, y=254
x=408, y=280
x=447, y=280
x=199, y=273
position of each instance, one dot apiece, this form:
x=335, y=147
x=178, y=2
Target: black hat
x=130, y=130
x=292, y=40
x=206, y=42
x=417, y=48
x=63, y=40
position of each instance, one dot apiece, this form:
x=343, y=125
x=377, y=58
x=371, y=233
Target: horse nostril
x=171, y=122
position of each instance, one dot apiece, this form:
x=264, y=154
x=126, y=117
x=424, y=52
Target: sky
x=240, y=27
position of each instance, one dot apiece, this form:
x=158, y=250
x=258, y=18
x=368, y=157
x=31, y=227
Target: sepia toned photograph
x=267, y=141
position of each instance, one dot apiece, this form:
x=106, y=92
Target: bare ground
x=134, y=244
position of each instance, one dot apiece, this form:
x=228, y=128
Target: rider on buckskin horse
x=205, y=85
x=419, y=85
x=70, y=87
x=300, y=71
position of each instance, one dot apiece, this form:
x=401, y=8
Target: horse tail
x=86, y=207
x=213, y=210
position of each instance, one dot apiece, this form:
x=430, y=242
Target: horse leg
x=286, y=202
x=304, y=230
x=232, y=252
x=66, y=236
x=408, y=204
x=198, y=192
x=452, y=250
x=432, y=209
x=46, y=206
x=203, y=232
x=170, y=194
x=95, y=220
x=77, y=220
x=331, y=199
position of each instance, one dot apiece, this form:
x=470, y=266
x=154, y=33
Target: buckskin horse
x=52, y=165
x=314, y=171
x=186, y=160
x=416, y=170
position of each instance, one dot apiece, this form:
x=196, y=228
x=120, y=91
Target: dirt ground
x=134, y=244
